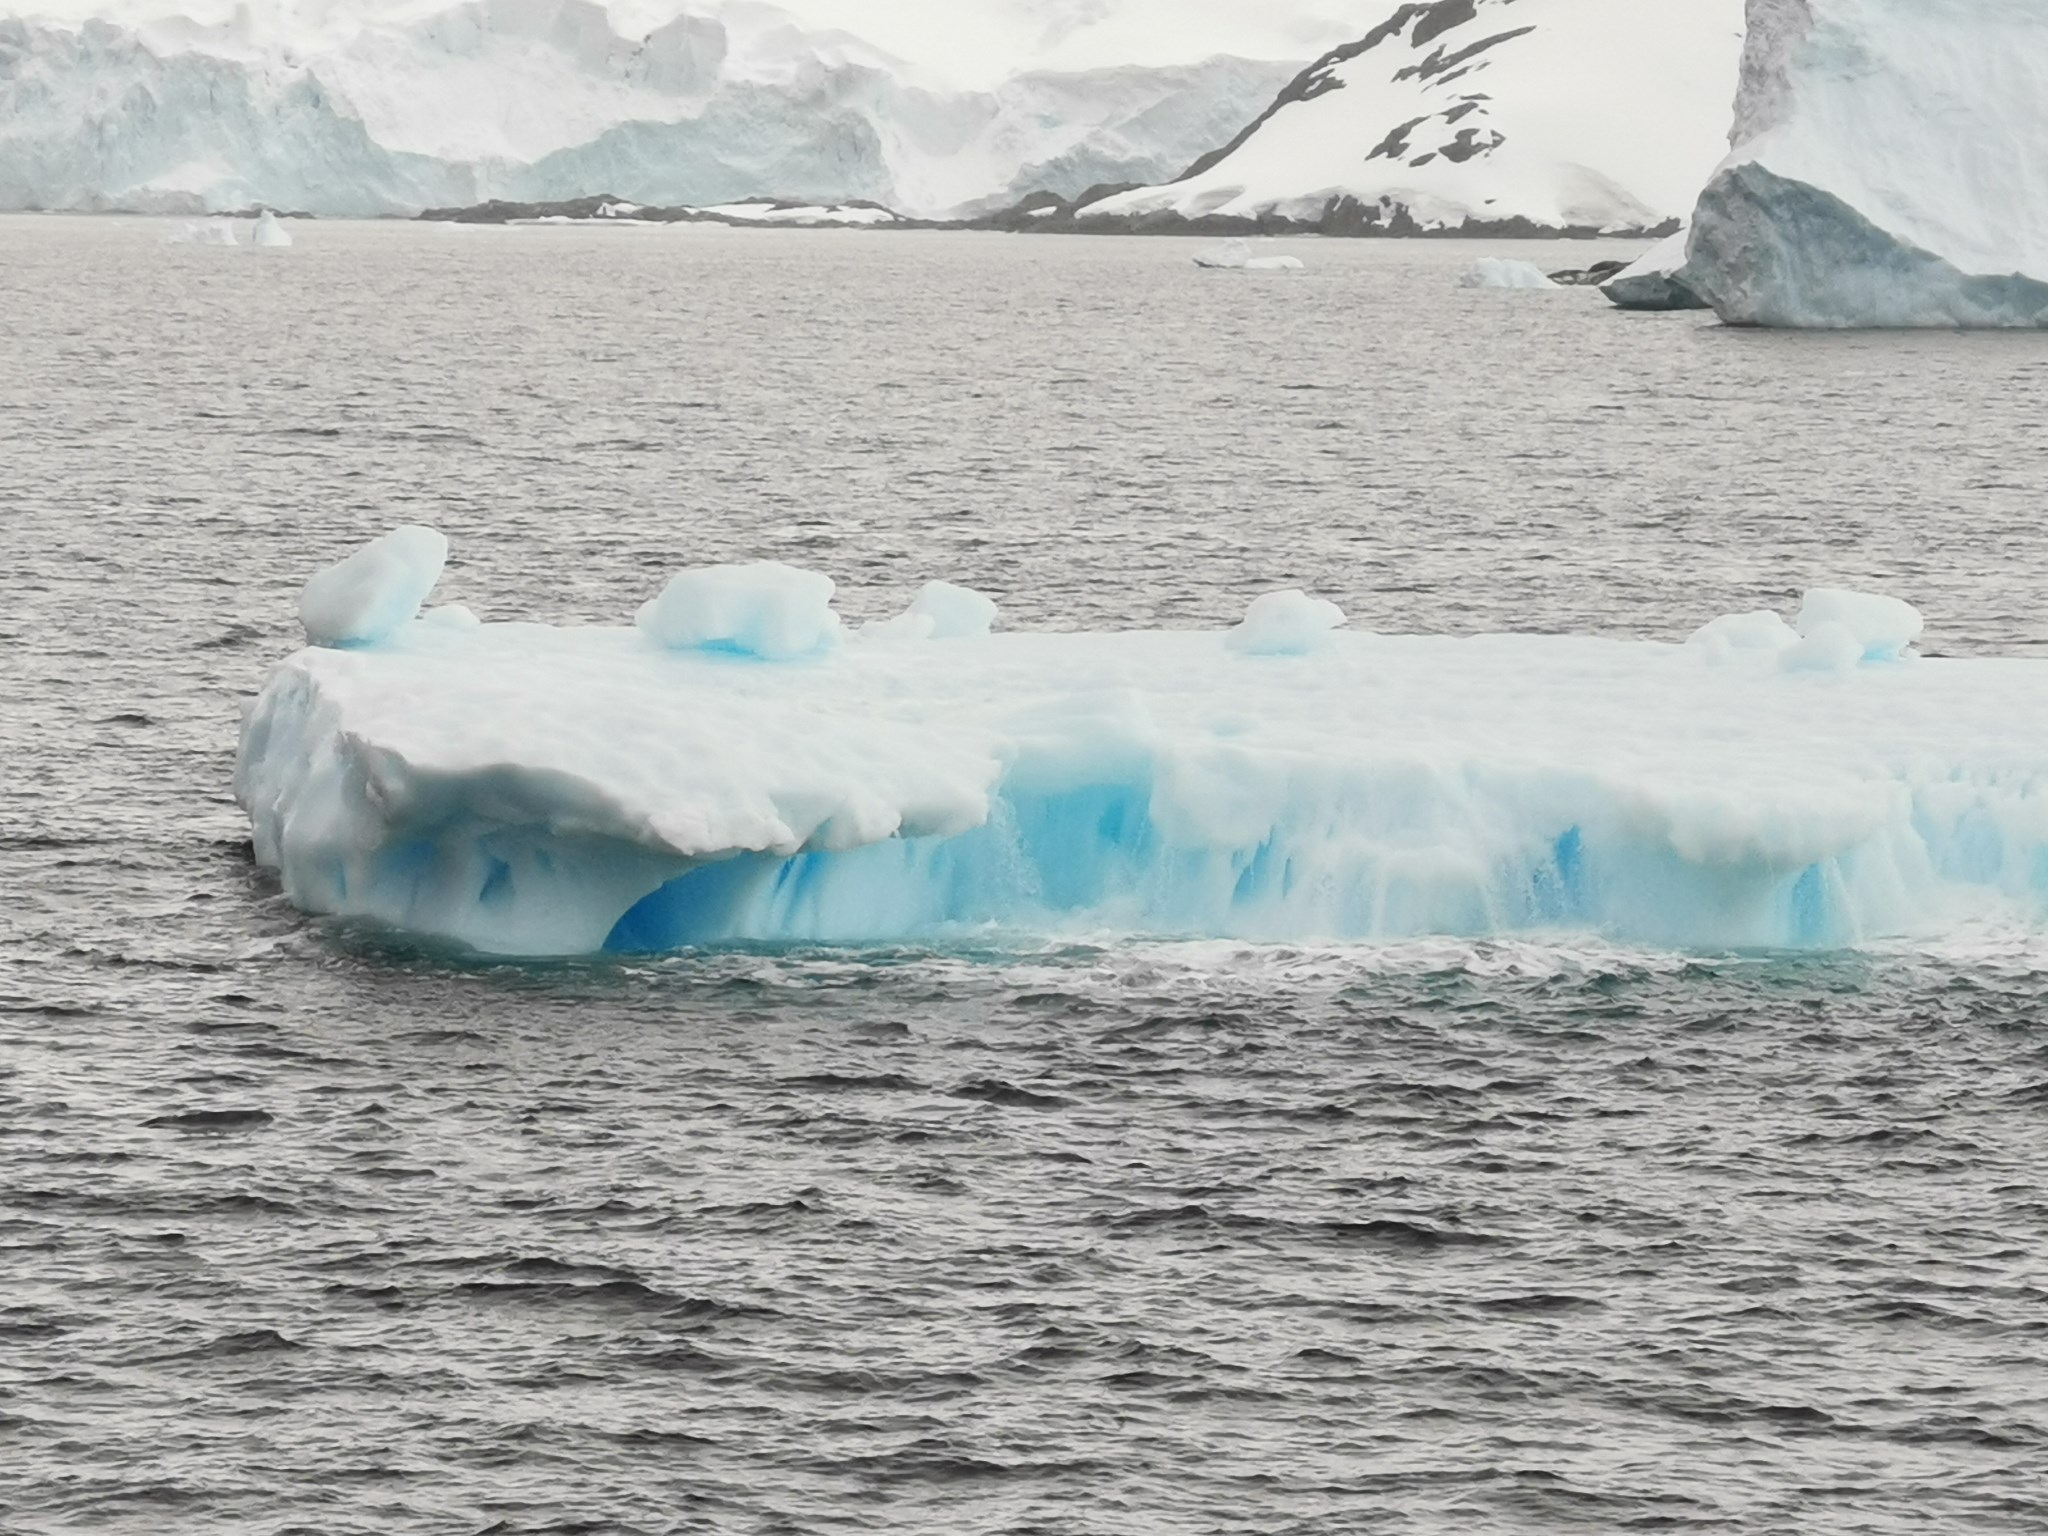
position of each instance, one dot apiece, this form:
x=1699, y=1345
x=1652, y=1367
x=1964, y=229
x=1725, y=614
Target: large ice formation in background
x=531, y=790
x=379, y=106
x=1889, y=168
x=1541, y=114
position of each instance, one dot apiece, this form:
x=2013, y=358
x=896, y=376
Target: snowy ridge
x=533, y=790
x=1601, y=114
x=355, y=109
x=1888, y=168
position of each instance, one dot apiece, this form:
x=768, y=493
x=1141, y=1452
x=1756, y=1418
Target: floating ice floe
x=1887, y=168
x=1495, y=272
x=533, y=790
x=1239, y=256
x=211, y=232
x=269, y=231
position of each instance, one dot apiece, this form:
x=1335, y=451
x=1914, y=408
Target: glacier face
x=533, y=790
x=1603, y=114
x=546, y=99
x=1885, y=169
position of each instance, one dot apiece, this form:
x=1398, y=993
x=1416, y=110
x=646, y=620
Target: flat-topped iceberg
x=1888, y=168
x=531, y=790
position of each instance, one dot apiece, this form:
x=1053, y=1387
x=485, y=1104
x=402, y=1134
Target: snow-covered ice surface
x=392, y=107
x=1498, y=272
x=729, y=772
x=1887, y=168
x=1603, y=114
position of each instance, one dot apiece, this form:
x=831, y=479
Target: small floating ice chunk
x=211, y=233
x=361, y=600
x=764, y=609
x=269, y=231
x=1289, y=623
x=1274, y=264
x=1494, y=272
x=1883, y=627
x=957, y=613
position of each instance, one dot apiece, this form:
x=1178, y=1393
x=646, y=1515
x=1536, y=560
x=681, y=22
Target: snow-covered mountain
x=397, y=104
x=1604, y=114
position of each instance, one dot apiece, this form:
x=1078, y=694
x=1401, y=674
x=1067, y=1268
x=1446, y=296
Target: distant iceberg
x=1496, y=272
x=269, y=231
x=531, y=790
x=1239, y=256
x=1887, y=168
x=210, y=232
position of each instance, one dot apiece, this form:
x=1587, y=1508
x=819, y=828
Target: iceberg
x=1884, y=170
x=1495, y=272
x=1238, y=256
x=269, y=231
x=532, y=790
x=211, y=232
x=1656, y=279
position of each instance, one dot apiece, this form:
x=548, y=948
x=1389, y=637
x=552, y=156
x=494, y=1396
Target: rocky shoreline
x=1042, y=213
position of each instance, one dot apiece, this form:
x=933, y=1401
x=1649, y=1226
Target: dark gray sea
x=301, y=1231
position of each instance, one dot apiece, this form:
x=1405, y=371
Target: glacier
x=532, y=790
x=394, y=106
x=1885, y=169
x=1473, y=114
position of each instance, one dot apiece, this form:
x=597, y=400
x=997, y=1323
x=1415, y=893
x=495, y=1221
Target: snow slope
x=1606, y=114
x=1889, y=168
x=366, y=108
x=535, y=790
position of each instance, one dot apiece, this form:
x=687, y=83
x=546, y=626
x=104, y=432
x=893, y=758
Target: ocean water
x=303, y=1231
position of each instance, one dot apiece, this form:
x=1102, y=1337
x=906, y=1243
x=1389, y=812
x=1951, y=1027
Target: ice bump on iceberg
x=532, y=790
x=1886, y=169
x=362, y=600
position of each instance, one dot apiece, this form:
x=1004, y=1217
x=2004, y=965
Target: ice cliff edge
x=1890, y=168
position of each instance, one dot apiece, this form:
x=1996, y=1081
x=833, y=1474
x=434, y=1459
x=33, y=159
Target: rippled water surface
x=301, y=1231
